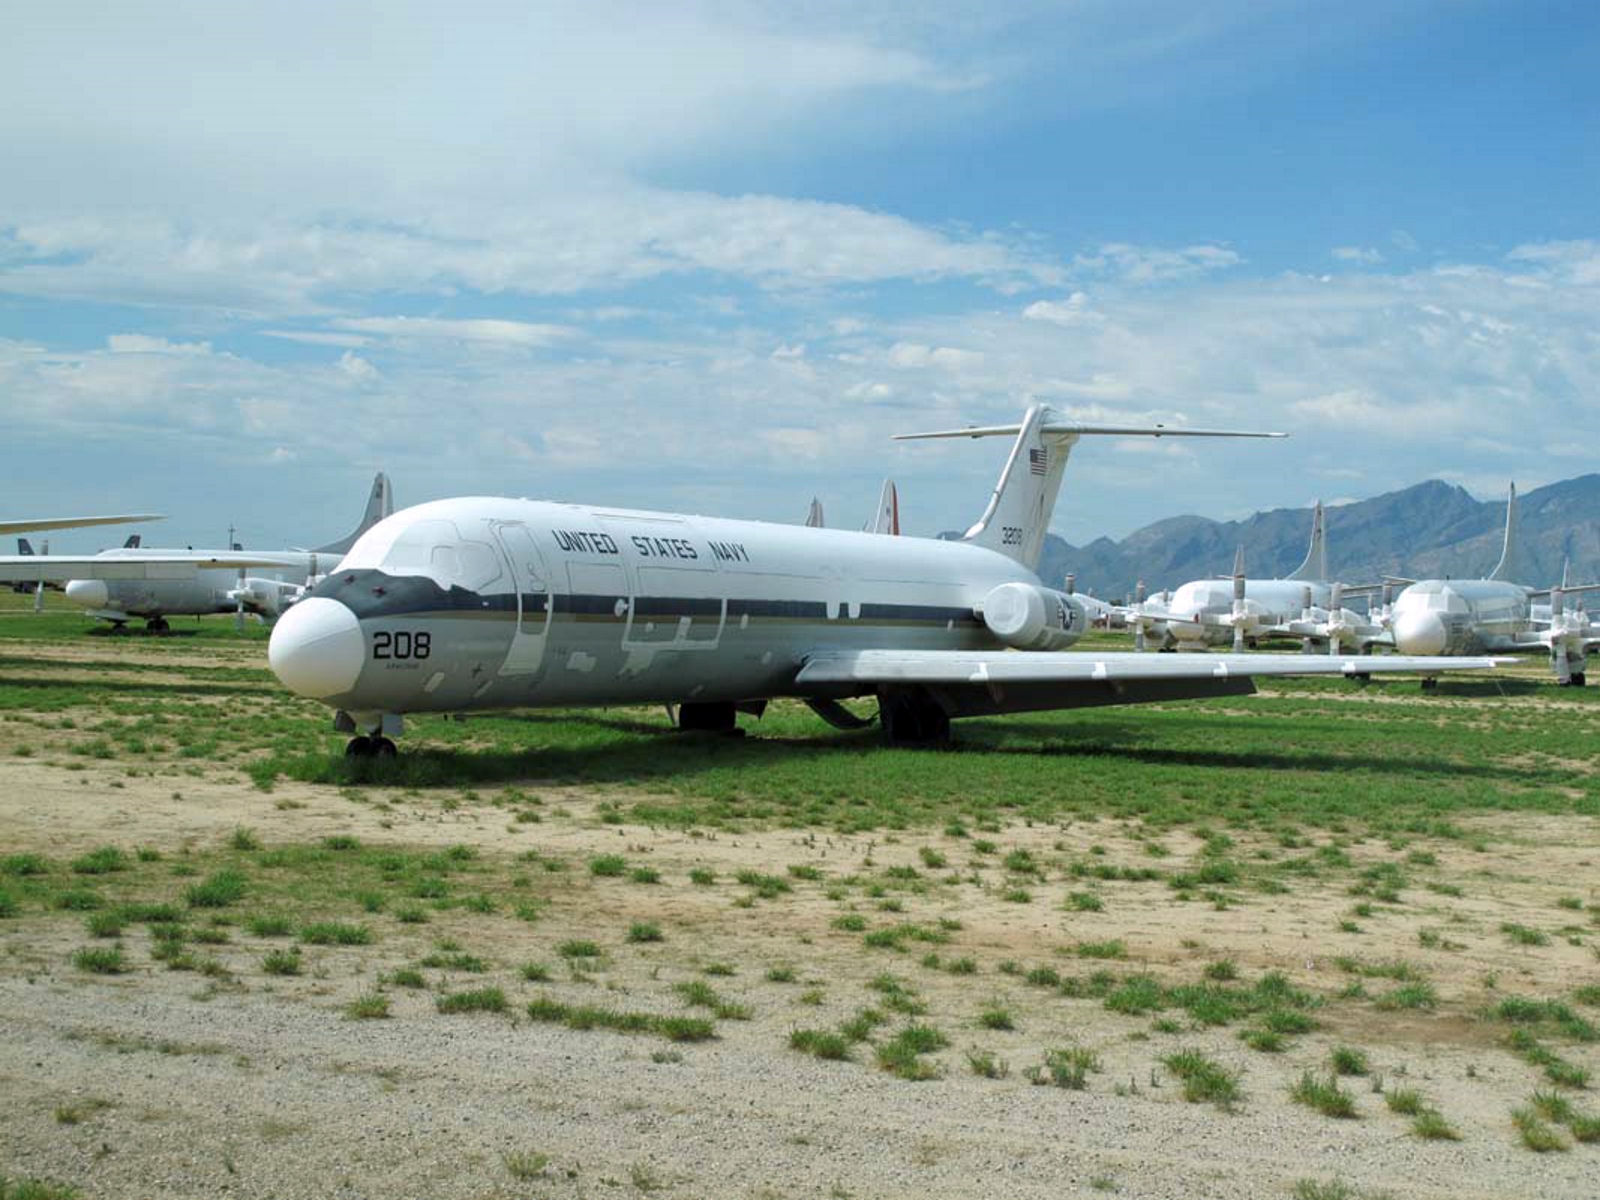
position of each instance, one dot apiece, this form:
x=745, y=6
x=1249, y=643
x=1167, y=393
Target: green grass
x=1347, y=1060
x=1069, y=1068
x=34, y=1188
x=645, y=931
x=821, y=1043
x=1324, y=1096
x=218, y=890
x=100, y=960
x=282, y=962
x=475, y=1000
x=368, y=1006
x=587, y=1016
x=1204, y=1080
x=335, y=933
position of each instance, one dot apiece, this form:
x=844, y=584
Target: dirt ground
x=265, y=1088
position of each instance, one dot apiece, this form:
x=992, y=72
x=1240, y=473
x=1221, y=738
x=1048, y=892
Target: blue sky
x=708, y=257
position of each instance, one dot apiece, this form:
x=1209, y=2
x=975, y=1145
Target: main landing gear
x=912, y=718
x=157, y=625
x=1576, y=679
x=370, y=747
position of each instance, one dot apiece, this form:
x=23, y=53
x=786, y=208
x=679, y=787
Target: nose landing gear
x=370, y=747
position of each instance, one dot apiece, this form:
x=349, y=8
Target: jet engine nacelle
x=1027, y=617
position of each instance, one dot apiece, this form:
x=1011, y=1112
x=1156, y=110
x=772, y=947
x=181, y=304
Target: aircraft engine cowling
x=1027, y=617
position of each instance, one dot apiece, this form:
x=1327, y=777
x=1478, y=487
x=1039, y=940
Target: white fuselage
x=484, y=603
x=203, y=591
x=1461, y=616
x=1197, y=606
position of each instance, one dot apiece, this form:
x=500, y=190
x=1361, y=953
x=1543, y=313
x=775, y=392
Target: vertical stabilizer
x=1018, y=513
x=1510, y=565
x=814, y=514
x=887, y=518
x=1315, y=567
x=380, y=504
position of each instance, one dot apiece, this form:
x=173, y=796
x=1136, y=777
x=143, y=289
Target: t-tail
x=1315, y=567
x=1018, y=513
x=380, y=504
x=1510, y=566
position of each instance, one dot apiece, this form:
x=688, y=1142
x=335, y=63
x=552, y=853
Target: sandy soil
x=261, y=1086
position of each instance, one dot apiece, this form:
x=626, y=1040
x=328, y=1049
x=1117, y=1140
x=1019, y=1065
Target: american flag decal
x=1038, y=460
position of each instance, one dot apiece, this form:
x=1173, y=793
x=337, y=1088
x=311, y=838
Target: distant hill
x=1432, y=529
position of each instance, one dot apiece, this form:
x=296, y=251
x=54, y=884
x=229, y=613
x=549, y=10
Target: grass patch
x=1205, y=1081
x=335, y=933
x=1324, y=1096
x=368, y=1006
x=100, y=960
x=475, y=1000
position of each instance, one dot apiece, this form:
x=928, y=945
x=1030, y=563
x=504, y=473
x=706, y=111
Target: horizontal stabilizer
x=1080, y=429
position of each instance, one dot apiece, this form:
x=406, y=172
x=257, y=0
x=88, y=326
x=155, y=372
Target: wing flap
x=989, y=667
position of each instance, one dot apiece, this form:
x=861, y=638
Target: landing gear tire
x=359, y=747
x=1430, y=685
x=913, y=719
x=714, y=717
x=382, y=747
x=157, y=625
x=1578, y=679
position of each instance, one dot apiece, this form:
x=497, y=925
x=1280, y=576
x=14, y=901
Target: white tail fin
x=887, y=518
x=1510, y=564
x=1018, y=513
x=380, y=504
x=1315, y=567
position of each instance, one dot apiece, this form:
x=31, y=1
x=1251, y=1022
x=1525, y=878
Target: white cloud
x=358, y=368
x=1074, y=310
x=1357, y=254
x=138, y=343
x=493, y=332
x=1156, y=264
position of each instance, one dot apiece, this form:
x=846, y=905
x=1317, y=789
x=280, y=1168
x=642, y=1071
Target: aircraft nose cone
x=91, y=593
x=317, y=649
x=1420, y=633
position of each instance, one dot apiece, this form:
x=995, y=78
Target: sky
x=708, y=257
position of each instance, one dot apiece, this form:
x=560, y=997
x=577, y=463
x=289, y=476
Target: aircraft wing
x=43, y=523
x=54, y=568
x=973, y=682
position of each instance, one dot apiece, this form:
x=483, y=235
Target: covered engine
x=1026, y=616
x=268, y=597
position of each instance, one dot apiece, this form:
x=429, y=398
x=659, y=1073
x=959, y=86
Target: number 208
x=401, y=644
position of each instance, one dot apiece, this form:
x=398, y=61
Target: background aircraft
x=1209, y=612
x=274, y=587
x=483, y=602
x=1495, y=615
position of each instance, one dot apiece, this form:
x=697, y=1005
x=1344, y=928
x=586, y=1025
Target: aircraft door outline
x=531, y=577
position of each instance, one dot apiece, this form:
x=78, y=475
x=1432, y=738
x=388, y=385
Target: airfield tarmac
x=1407, y=888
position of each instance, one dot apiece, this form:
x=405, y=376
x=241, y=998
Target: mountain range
x=1430, y=530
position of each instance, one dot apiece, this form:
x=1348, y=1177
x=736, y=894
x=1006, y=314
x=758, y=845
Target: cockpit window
x=437, y=549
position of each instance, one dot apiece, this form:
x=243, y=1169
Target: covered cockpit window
x=436, y=548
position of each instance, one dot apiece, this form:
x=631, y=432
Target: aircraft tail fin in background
x=1315, y=567
x=1017, y=516
x=887, y=518
x=1510, y=557
x=814, y=519
x=380, y=504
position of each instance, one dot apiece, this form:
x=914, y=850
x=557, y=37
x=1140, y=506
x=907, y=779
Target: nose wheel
x=370, y=747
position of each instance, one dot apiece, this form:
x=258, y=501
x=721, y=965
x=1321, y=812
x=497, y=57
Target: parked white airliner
x=495, y=603
x=1496, y=615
